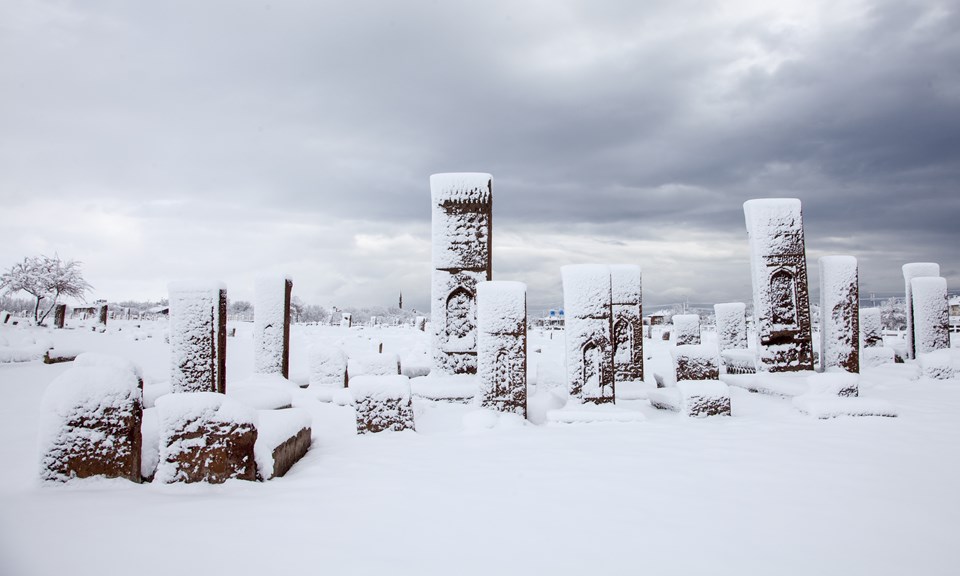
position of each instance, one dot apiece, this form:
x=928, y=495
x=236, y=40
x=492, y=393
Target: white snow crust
x=194, y=318
x=328, y=366
x=626, y=284
x=824, y=407
x=871, y=328
x=385, y=364
x=501, y=307
x=460, y=187
x=380, y=387
x=686, y=329
x=937, y=364
x=731, y=325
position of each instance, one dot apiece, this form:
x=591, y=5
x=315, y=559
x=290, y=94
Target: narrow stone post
x=271, y=326
x=198, y=337
x=587, y=332
x=911, y=271
x=839, y=314
x=502, y=346
x=731, y=325
x=59, y=316
x=626, y=296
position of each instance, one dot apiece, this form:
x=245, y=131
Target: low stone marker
x=328, y=367
x=59, y=316
x=382, y=403
x=90, y=422
x=693, y=362
x=205, y=437
x=686, y=329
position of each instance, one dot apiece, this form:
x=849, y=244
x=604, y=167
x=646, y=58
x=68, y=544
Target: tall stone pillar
x=587, y=332
x=911, y=271
x=931, y=314
x=839, y=314
x=198, y=337
x=271, y=326
x=462, y=241
x=781, y=301
x=627, y=316
x=502, y=346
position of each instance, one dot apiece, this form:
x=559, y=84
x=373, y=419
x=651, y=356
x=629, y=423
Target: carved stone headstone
x=205, y=437
x=587, y=332
x=911, y=271
x=686, y=329
x=695, y=362
x=59, y=315
x=102, y=313
x=781, y=302
x=90, y=424
x=502, y=346
x=839, y=314
x=271, y=326
x=627, y=317
x=871, y=328
x=462, y=248
x=198, y=337
x=731, y=325
x=328, y=367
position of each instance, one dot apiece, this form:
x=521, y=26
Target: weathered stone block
x=587, y=332
x=700, y=399
x=328, y=367
x=271, y=326
x=911, y=271
x=686, y=329
x=90, y=424
x=871, y=328
x=283, y=438
x=695, y=363
x=627, y=317
x=382, y=403
x=931, y=314
x=731, y=325
x=205, y=437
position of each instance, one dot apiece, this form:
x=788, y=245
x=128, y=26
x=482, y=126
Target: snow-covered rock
x=502, y=346
x=382, y=403
x=839, y=314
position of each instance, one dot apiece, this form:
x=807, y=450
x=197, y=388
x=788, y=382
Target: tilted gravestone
x=911, y=271
x=502, y=346
x=462, y=222
x=781, y=301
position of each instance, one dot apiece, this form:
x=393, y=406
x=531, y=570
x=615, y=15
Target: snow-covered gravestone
x=271, y=326
x=686, y=329
x=102, y=314
x=839, y=314
x=911, y=271
x=328, y=367
x=731, y=325
x=695, y=362
x=462, y=220
x=198, y=337
x=90, y=420
x=59, y=315
x=871, y=328
x=931, y=326
x=205, y=437
x=502, y=346
x=382, y=403
x=778, y=267
x=627, y=316
x=587, y=337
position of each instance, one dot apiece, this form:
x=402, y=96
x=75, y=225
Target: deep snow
x=767, y=491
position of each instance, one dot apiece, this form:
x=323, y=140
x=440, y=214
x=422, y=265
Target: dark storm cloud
x=617, y=124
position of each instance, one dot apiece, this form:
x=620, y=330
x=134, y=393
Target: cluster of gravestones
x=94, y=412
x=603, y=329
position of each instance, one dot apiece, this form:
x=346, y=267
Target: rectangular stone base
x=283, y=438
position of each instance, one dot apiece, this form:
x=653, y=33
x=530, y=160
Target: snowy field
x=769, y=491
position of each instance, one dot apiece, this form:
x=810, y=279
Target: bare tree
x=45, y=278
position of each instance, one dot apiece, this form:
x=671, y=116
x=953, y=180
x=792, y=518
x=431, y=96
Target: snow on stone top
x=920, y=269
x=380, y=387
x=625, y=283
x=177, y=409
x=460, y=187
x=696, y=351
x=92, y=387
x=771, y=223
x=686, y=323
x=195, y=286
x=729, y=308
x=586, y=289
x=107, y=361
x=501, y=306
x=836, y=274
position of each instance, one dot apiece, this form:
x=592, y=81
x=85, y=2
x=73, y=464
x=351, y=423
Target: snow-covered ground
x=768, y=491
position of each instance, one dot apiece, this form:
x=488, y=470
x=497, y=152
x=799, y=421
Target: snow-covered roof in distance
x=461, y=187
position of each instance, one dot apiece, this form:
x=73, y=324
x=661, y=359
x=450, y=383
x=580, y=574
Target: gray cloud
x=230, y=137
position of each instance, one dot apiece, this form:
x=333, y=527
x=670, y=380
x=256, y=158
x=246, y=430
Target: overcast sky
x=157, y=141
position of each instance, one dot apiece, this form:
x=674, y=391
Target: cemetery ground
x=766, y=491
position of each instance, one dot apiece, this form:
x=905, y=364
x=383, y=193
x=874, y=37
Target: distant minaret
x=401, y=300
